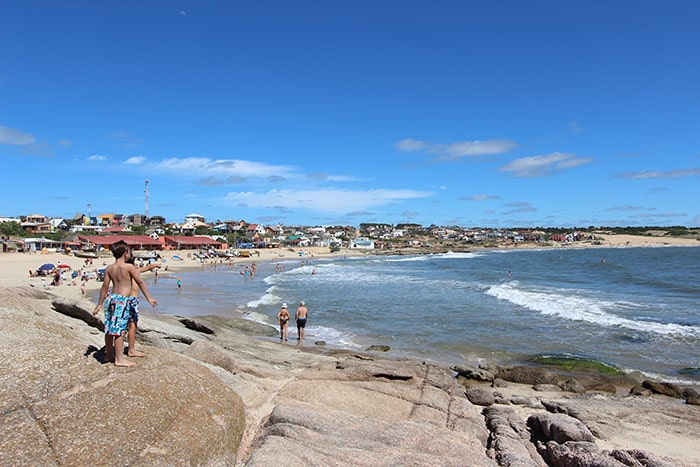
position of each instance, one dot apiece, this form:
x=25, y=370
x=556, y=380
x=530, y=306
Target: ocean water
x=634, y=308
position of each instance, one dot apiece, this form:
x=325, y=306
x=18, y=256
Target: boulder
x=509, y=438
x=660, y=387
x=691, y=396
x=572, y=385
x=559, y=427
x=575, y=454
x=477, y=374
x=480, y=396
x=67, y=407
x=636, y=457
x=525, y=401
x=560, y=407
x=378, y=348
x=499, y=383
x=196, y=326
x=528, y=375
x=639, y=391
x=546, y=388
x=78, y=308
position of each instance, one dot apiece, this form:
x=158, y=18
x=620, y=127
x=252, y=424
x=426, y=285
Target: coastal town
x=36, y=232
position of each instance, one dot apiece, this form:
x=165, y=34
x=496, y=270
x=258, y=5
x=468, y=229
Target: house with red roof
x=136, y=242
x=192, y=242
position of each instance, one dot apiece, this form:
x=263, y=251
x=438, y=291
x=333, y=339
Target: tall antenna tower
x=146, y=191
x=89, y=214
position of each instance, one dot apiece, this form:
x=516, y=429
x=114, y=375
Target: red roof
x=131, y=240
x=187, y=240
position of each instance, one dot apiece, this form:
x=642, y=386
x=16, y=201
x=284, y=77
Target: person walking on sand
x=134, y=309
x=179, y=284
x=283, y=319
x=116, y=309
x=300, y=317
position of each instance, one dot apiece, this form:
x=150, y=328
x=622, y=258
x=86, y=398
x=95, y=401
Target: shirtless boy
x=116, y=304
x=300, y=317
x=283, y=318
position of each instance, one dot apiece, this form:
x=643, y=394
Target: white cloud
x=329, y=201
x=658, y=174
x=202, y=166
x=96, y=157
x=481, y=198
x=331, y=178
x=540, y=166
x=575, y=162
x=457, y=149
x=15, y=137
x=136, y=160
x=471, y=148
x=410, y=145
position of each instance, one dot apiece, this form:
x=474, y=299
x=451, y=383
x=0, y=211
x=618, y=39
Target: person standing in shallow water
x=300, y=317
x=283, y=319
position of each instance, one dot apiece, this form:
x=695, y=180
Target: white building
x=361, y=243
x=194, y=219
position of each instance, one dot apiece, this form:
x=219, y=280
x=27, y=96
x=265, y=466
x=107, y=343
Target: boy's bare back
x=120, y=274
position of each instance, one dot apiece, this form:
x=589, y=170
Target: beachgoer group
x=300, y=316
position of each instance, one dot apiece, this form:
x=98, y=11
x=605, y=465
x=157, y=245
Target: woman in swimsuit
x=283, y=318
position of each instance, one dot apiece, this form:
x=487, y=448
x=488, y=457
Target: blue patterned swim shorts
x=116, y=314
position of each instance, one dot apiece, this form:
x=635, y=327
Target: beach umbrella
x=63, y=266
x=46, y=267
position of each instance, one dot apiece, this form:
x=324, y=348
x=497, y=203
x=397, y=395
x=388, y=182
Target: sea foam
x=573, y=305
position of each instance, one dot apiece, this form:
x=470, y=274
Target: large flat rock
x=61, y=405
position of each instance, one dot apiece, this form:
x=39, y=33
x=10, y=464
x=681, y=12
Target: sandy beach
x=15, y=267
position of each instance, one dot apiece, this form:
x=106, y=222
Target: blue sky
x=473, y=113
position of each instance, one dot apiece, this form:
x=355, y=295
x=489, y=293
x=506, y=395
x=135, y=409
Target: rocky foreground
x=209, y=392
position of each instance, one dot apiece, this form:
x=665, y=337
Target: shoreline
x=12, y=265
